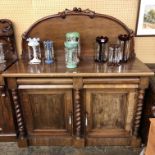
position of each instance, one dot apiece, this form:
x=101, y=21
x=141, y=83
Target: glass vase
x=49, y=52
x=71, y=54
x=101, y=50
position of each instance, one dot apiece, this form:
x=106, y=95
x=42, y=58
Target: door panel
x=110, y=112
x=52, y=109
x=103, y=104
x=47, y=112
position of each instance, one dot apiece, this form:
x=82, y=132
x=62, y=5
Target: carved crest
x=76, y=10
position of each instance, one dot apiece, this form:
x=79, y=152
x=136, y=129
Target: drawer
x=36, y=81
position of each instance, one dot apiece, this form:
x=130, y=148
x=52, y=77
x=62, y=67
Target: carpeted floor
x=12, y=149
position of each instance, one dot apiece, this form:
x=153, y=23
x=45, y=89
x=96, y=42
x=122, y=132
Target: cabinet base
x=49, y=141
x=8, y=138
x=130, y=141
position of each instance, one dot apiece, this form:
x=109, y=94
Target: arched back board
x=88, y=23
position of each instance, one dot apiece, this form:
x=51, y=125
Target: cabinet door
x=109, y=113
x=48, y=115
x=7, y=131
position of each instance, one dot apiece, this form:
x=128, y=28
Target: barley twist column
x=77, y=114
x=19, y=118
x=138, y=112
x=77, y=85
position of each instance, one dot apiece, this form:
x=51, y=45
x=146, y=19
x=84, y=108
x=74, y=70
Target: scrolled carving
x=138, y=112
x=76, y=10
x=7, y=29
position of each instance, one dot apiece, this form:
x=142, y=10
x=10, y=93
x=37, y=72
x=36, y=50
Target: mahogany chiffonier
x=7, y=40
x=93, y=104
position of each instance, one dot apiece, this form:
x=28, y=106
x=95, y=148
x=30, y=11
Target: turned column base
x=135, y=142
x=78, y=143
x=22, y=142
